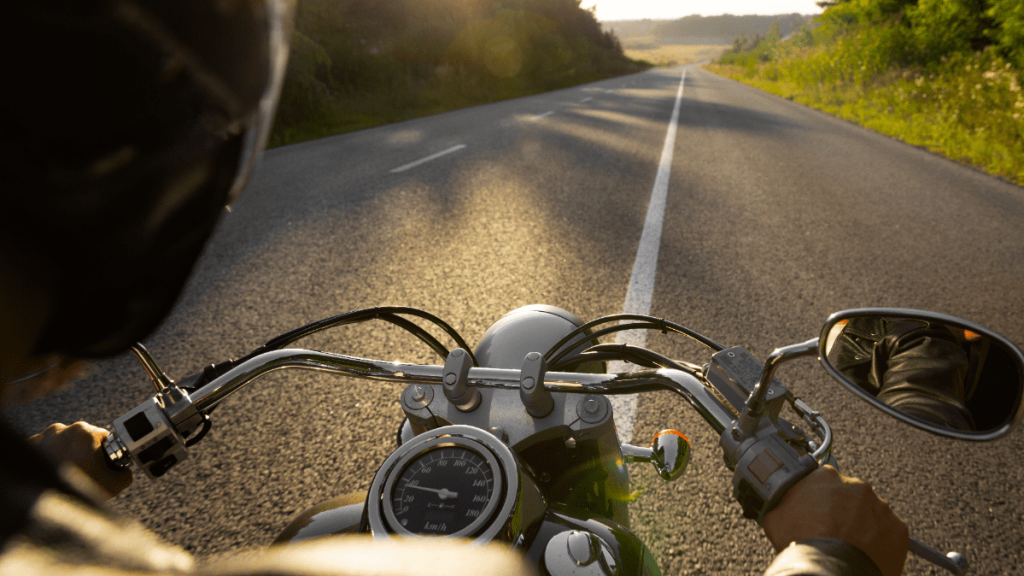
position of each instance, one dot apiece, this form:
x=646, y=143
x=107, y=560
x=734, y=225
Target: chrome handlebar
x=153, y=434
x=686, y=385
x=182, y=410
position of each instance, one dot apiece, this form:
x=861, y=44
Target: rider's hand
x=826, y=504
x=81, y=444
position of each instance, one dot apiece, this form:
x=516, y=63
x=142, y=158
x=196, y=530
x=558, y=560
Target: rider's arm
x=922, y=373
x=914, y=367
x=81, y=445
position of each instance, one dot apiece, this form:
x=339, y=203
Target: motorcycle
x=515, y=441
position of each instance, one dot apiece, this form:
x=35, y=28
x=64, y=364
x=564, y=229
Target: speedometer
x=456, y=481
x=443, y=491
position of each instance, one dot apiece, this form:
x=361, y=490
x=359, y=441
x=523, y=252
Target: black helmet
x=127, y=126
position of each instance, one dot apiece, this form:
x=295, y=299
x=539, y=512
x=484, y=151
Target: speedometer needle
x=444, y=493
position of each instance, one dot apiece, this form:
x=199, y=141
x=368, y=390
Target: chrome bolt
x=418, y=394
x=591, y=406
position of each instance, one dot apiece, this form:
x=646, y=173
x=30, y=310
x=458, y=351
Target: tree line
x=357, y=63
x=728, y=25
x=703, y=27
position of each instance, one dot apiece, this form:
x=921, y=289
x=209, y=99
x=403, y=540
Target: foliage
x=935, y=73
x=1008, y=19
x=940, y=28
x=948, y=26
x=359, y=63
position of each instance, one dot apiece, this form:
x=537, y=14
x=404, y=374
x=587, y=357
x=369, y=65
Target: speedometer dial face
x=443, y=491
x=454, y=481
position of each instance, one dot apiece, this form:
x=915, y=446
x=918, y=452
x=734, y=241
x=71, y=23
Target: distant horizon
x=633, y=10
x=670, y=18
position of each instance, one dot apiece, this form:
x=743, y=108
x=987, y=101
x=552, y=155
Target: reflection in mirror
x=945, y=374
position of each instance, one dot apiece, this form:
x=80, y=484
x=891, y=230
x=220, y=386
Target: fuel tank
x=345, y=514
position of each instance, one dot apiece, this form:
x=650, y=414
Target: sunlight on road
x=405, y=137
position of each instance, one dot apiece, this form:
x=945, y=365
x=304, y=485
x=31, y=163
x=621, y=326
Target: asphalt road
x=776, y=216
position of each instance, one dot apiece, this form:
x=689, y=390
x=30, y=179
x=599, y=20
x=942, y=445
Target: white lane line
x=609, y=91
x=641, y=282
x=428, y=159
x=544, y=115
x=587, y=99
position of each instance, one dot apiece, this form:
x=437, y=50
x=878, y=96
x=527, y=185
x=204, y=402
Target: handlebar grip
x=115, y=455
x=764, y=468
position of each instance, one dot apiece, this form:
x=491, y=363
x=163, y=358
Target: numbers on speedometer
x=442, y=491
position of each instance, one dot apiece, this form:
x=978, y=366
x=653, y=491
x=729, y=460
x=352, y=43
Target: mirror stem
x=753, y=409
x=160, y=380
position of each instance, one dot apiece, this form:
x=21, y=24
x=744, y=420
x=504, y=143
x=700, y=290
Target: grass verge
x=968, y=107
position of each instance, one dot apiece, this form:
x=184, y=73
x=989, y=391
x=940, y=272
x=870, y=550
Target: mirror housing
x=935, y=372
x=670, y=453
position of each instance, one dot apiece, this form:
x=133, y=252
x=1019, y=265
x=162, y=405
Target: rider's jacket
x=823, y=557
x=50, y=524
x=914, y=366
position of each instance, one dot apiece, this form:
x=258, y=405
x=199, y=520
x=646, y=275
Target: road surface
x=775, y=216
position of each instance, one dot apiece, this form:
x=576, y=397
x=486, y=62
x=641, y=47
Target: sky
x=671, y=9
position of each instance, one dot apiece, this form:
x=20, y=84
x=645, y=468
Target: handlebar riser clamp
x=535, y=396
x=456, y=381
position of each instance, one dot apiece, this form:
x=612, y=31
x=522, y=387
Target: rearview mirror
x=939, y=373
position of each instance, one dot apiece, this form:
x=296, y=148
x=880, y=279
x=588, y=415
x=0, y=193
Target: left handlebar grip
x=115, y=455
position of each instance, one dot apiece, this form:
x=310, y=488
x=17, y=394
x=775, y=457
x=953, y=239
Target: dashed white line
x=641, y=282
x=587, y=99
x=428, y=158
x=544, y=115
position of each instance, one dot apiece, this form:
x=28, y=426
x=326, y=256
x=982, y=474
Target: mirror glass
x=948, y=376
